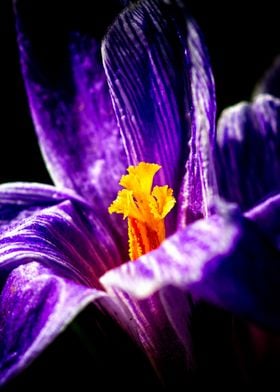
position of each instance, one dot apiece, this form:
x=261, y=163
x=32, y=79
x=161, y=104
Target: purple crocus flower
x=103, y=98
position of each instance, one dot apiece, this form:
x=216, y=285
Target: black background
x=243, y=40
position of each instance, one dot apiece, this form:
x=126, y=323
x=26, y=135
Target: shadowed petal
x=72, y=111
x=162, y=326
x=35, y=306
x=62, y=237
x=163, y=93
x=248, y=151
x=92, y=347
x=270, y=84
x=225, y=261
x=267, y=216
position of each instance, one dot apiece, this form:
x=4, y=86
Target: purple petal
x=270, y=84
x=35, y=306
x=266, y=216
x=226, y=261
x=163, y=93
x=248, y=151
x=69, y=97
x=162, y=329
x=20, y=200
x=62, y=237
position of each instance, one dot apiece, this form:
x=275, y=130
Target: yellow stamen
x=144, y=206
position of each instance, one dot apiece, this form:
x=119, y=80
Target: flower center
x=144, y=206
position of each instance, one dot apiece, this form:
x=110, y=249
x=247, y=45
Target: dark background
x=242, y=41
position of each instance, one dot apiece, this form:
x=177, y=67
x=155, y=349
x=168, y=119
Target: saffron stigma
x=144, y=206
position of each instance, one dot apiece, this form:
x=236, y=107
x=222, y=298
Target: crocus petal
x=226, y=261
x=91, y=347
x=270, y=84
x=223, y=260
x=62, y=237
x=19, y=200
x=161, y=324
x=35, y=306
x=163, y=93
x=69, y=97
x=266, y=216
x=248, y=148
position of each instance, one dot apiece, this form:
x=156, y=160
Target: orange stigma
x=144, y=206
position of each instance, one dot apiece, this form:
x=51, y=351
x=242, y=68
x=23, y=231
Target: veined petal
x=248, y=151
x=35, y=306
x=61, y=236
x=163, y=94
x=161, y=325
x=20, y=200
x=69, y=97
x=91, y=347
x=225, y=261
x=26, y=193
